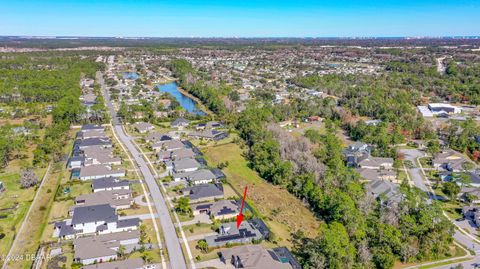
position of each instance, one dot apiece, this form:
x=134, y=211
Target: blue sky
x=246, y=18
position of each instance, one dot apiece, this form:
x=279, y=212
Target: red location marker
x=240, y=215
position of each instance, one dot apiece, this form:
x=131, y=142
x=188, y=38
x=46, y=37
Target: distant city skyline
x=262, y=18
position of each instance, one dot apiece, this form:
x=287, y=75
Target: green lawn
x=283, y=212
x=14, y=204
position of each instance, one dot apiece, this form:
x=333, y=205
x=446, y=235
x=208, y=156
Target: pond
x=130, y=75
x=186, y=102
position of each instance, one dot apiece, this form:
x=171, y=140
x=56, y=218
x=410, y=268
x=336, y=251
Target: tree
x=202, y=245
x=433, y=147
x=121, y=251
x=451, y=189
x=28, y=179
x=183, y=205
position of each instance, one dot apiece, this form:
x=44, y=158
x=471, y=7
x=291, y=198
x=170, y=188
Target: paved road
x=417, y=178
x=177, y=261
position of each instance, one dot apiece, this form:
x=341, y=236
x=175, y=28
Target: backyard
x=283, y=212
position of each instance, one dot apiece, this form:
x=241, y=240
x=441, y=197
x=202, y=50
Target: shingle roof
x=95, y=213
x=186, y=163
x=204, y=191
x=109, y=182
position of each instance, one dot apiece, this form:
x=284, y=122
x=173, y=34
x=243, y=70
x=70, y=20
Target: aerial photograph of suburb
x=254, y=134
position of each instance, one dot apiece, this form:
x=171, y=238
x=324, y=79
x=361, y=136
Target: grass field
x=283, y=212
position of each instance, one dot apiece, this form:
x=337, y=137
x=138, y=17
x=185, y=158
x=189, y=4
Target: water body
x=186, y=102
x=130, y=75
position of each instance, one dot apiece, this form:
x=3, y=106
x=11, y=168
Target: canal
x=186, y=102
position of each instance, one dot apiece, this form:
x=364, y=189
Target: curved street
x=468, y=241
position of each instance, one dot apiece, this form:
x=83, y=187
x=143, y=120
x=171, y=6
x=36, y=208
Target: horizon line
x=241, y=37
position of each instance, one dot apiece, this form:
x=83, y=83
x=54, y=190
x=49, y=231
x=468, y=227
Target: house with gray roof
x=208, y=125
x=221, y=209
x=89, y=127
x=180, y=123
x=386, y=191
x=109, y=184
x=95, y=219
x=450, y=160
x=91, y=134
x=177, y=154
x=157, y=137
x=104, y=248
x=168, y=145
x=229, y=234
x=185, y=165
x=100, y=155
x=97, y=171
x=203, y=192
x=202, y=176
x=377, y=174
x=356, y=152
x=257, y=257
x=375, y=163
x=209, y=134
x=82, y=144
x=143, y=127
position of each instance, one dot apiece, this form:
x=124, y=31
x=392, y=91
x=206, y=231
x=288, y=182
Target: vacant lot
x=283, y=212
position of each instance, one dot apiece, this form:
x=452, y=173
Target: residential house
x=92, y=142
x=257, y=257
x=208, y=125
x=180, y=123
x=99, y=155
x=168, y=145
x=175, y=154
x=182, y=165
x=375, y=163
x=355, y=153
x=96, y=219
x=118, y=199
x=210, y=134
x=386, y=191
x=203, y=192
x=470, y=194
x=96, y=171
x=94, y=133
x=449, y=160
x=472, y=213
x=109, y=184
x=156, y=137
x=104, y=248
x=221, y=209
x=90, y=127
x=377, y=174
x=229, y=234
x=202, y=176
x=143, y=127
